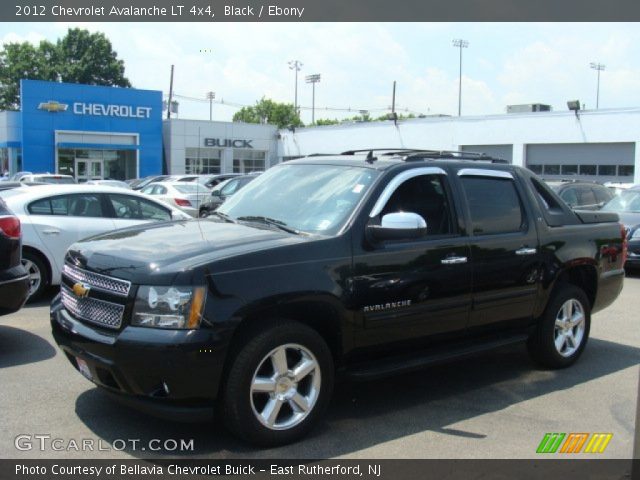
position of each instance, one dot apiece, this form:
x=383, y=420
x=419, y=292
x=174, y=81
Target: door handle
x=526, y=251
x=453, y=260
x=51, y=232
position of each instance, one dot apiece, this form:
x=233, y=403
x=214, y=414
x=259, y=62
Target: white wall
x=449, y=133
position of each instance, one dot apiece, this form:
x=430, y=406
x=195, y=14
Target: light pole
x=313, y=79
x=211, y=97
x=459, y=43
x=295, y=65
x=598, y=67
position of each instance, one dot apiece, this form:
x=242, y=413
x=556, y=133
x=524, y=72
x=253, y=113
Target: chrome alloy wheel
x=569, y=327
x=282, y=396
x=35, y=275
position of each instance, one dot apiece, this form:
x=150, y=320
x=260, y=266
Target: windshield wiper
x=270, y=221
x=224, y=216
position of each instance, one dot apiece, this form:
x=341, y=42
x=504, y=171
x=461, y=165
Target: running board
x=364, y=371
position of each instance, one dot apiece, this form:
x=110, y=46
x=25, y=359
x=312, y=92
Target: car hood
x=164, y=249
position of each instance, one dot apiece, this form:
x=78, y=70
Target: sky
x=505, y=63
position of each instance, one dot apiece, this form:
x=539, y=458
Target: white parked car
x=52, y=178
x=186, y=196
x=55, y=216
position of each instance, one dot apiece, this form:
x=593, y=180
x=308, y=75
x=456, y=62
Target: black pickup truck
x=360, y=264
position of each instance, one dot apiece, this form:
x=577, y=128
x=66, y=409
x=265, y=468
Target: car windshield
x=55, y=180
x=188, y=188
x=308, y=198
x=627, y=201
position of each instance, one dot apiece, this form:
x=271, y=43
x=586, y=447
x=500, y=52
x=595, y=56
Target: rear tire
x=38, y=274
x=563, y=329
x=203, y=213
x=279, y=384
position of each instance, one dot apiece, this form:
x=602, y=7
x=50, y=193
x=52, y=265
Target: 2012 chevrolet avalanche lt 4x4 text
x=363, y=264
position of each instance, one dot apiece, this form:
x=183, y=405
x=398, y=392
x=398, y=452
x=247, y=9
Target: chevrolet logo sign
x=81, y=290
x=53, y=106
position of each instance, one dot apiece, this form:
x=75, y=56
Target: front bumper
x=170, y=373
x=14, y=289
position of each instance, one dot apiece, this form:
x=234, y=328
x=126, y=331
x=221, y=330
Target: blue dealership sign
x=65, y=115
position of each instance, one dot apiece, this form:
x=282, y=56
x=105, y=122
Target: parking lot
x=494, y=406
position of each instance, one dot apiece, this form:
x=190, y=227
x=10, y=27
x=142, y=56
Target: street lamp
x=211, y=97
x=598, y=67
x=313, y=79
x=295, y=65
x=459, y=43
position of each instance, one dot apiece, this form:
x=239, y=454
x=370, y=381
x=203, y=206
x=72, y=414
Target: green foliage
x=79, y=57
x=268, y=111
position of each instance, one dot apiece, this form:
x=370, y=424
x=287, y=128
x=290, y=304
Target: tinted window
x=230, y=187
x=602, y=194
x=570, y=196
x=586, y=196
x=494, y=205
x=68, y=205
x=424, y=195
x=126, y=206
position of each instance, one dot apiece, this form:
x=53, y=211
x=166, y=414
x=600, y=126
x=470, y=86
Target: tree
x=79, y=57
x=327, y=121
x=268, y=111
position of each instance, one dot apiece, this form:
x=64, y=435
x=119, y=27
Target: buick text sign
x=102, y=110
x=224, y=143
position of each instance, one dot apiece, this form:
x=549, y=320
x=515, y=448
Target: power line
x=300, y=107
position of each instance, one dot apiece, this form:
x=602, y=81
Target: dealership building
x=105, y=132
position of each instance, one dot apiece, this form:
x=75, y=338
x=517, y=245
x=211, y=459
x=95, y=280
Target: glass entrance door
x=88, y=169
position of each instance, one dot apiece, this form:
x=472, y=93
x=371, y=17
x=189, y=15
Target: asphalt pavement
x=498, y=405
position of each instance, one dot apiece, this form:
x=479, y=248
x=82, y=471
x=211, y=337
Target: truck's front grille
x=100, y=312
x=96, y=280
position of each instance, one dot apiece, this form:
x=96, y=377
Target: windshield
x=309, y=198
x=627, y=201
x=56, y=180
x=188, y=188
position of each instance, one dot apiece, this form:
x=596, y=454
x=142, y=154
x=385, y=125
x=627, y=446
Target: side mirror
x=399, y=226
x=216, y=193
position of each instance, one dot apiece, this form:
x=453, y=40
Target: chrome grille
x=96, y=280
x=92, y=310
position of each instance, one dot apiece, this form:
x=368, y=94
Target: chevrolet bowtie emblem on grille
x=81, y=289
x=53, y=106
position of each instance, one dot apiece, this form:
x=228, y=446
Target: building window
x=537, y=169
x=588, y=170
x=626, y=170
x=4, y=161
x=246, y=160
x=608, y=170
x=552, y=169
x=569, y=169
x=202, y=160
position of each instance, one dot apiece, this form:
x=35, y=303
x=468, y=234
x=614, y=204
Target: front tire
x=563, y=329
x=279, y=385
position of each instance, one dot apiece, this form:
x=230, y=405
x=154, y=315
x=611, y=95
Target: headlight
x=169, y=307
x=636, y=233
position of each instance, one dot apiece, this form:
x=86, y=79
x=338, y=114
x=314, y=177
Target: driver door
x=408, y=290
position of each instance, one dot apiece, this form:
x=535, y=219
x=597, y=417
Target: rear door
x=506, y=256
x=62, y=220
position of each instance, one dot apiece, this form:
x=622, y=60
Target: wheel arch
x=45, y=259
x=583, y=276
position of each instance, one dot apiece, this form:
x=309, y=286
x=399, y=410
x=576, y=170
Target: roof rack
x=416, y=154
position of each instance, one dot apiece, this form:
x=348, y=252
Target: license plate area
x=83, y=367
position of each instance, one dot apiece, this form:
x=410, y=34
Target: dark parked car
x=223, y=191
x=370, y=266
x=627, y=205
x=582, y=195
x=14, y=280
